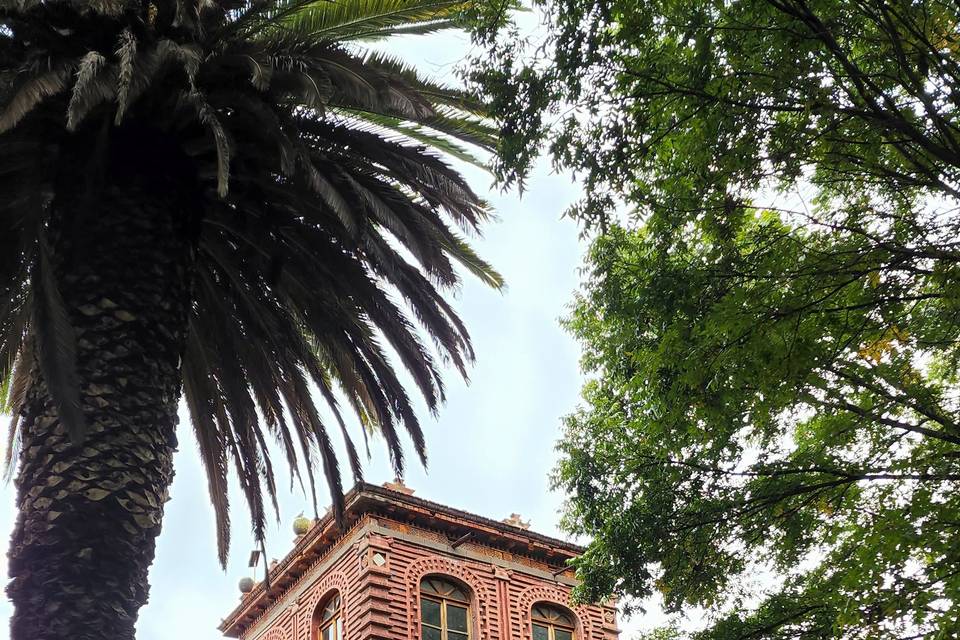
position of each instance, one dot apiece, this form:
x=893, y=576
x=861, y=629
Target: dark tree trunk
x=89, y=514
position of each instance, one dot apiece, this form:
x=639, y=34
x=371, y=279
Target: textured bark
x=89, y=514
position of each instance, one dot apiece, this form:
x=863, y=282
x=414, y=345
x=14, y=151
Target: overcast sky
x=492, y=446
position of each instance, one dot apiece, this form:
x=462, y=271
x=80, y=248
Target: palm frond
x=211, y=440
x=208, y=117
x=32, y=92
x=326, y=217
x=90, y=66
x=126, y=54
x=430, y=139
x=412, y=78
x=367, y=20
x=465, y=255
x=57, y=346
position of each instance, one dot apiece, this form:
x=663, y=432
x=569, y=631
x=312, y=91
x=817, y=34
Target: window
x=444, y=610
x=327, y=619
x=552, y=623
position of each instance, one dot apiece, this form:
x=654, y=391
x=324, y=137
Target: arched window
x=551, y=622
x=328, y=620
x=444, y=610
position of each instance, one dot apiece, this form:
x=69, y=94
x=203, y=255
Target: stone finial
x=246, y=585
x=301, y=525
x=398, y=486
x=516, y=521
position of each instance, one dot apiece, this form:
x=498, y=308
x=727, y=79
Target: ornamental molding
x=275, y=634
x=560, y=597
x=481, y=598
x=315, y=594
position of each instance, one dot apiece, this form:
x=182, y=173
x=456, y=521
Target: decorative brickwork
x=558, y=596
x=482, y=599
x=396, y=540
x=328, y=585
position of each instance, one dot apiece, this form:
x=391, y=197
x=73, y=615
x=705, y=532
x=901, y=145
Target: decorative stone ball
x=246, y=585
x=301, y=525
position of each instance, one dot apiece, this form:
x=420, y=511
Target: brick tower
x=410, y=569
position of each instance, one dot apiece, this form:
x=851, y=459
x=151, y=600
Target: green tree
x=224, y=199
x=771, y=322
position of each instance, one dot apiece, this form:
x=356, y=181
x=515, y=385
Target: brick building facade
x=411, y=569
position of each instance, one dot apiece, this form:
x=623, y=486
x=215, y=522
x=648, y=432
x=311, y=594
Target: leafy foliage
x=323, y=201
x=771, y=330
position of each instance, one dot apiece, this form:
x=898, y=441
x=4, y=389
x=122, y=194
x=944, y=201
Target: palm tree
x=228, y=199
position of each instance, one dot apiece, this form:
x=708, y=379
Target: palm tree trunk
x=89, y=513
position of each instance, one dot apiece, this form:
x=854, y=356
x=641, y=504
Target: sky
x=491, y=448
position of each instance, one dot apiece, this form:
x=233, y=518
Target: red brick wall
x=377, y=568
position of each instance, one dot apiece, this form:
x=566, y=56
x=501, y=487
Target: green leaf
x=365, y=19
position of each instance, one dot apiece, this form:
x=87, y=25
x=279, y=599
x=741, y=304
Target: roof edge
x=353, y=506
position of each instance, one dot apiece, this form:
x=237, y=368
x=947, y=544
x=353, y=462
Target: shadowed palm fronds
x=328, y=226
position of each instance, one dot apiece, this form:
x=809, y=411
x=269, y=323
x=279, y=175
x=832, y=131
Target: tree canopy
x=772, y=307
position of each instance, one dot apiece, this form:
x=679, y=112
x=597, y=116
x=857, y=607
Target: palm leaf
x=32, y=92
x=126, y=53
x=209, y=117
x=465, y=255
x=345, y=20
x=436, y=92
x=316, y=186
x=57, y=347
x=90, y=66
x=418, y=133
x=210, y=439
